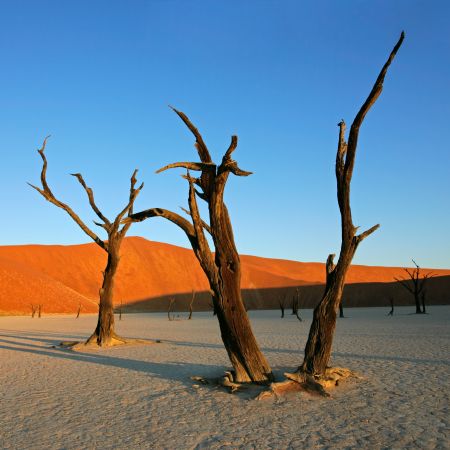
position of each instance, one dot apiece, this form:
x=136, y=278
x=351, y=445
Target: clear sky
x=98, y=76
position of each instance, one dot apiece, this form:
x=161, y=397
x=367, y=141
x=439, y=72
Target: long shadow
x=216, y=346
x=175, y=371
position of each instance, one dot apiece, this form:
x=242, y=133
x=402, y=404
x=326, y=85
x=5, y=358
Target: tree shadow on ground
x=175, y=371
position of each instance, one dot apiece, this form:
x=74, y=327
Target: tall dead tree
x=104, y=334
x=223, y=268
x=320, y=339
x=416, y=286
x=313, y=374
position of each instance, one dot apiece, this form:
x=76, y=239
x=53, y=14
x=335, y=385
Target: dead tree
x=191, y=305
x=341, y=310
x=296, y=304
x=281, y=302
x=170, y=308
x=223, y=267
x=120, y=309
x=416, y=286
x=79, y=310
x=423, y=297
x=391, y=301
x=320, y=339
x=104, y=334
x=313, y=373
x=33, y=310
x=39, y=311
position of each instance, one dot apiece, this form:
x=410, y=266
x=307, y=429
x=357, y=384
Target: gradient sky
x=98, y=76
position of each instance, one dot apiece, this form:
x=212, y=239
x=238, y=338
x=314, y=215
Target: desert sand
x=142, y=397
x=61, y=277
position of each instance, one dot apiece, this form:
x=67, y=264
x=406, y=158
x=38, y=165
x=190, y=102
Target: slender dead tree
x=341, y=310
x=78, y=311
x=282, y=303
x=391, y=301
x=170, y=308
x=223, y=268
x=33, y=310
x=296, y=304
x=320, y=339
x=416, y=286
x=39, y=311
x=104, y=334
x=423, y=297
x=191, y=305
x=313, y=372
x=120, y=309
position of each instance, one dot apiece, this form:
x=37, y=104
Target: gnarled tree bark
x=223, y=270
x=104, y=334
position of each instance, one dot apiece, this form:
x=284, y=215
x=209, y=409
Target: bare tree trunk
x=79, y=310
x=391, y=312
x=281, y=303
x=248, y=362
x=39, y=311
x=423, y=296
x=191, y=305
x=104, y=332
x=169, y=309
x=120, y=309
x=341, y=310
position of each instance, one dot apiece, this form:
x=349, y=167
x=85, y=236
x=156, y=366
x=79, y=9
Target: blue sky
x=98, y=76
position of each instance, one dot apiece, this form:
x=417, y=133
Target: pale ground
x=142, y=397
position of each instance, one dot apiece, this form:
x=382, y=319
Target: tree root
x=226, y=381
x=93, y=342
x=302, y=382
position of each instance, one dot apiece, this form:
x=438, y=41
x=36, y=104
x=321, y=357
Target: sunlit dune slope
x=62, y=277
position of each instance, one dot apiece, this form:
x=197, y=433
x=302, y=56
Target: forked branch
x=48, y=195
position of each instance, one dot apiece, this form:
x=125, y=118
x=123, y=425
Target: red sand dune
x=62, y=277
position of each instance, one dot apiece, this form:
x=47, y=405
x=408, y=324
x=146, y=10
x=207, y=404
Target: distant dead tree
x=33, y=310
x=341, y=310
x=282, y=303
x=104, y=334
x=79, y=310
x=318, y=347
x=423, y=297
x=120, y=309
x=191, y=305
x=416, y=286
x=170, y=308
x=391, y=301
x=39, y=311
x=223, y=267
x=296, y=304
